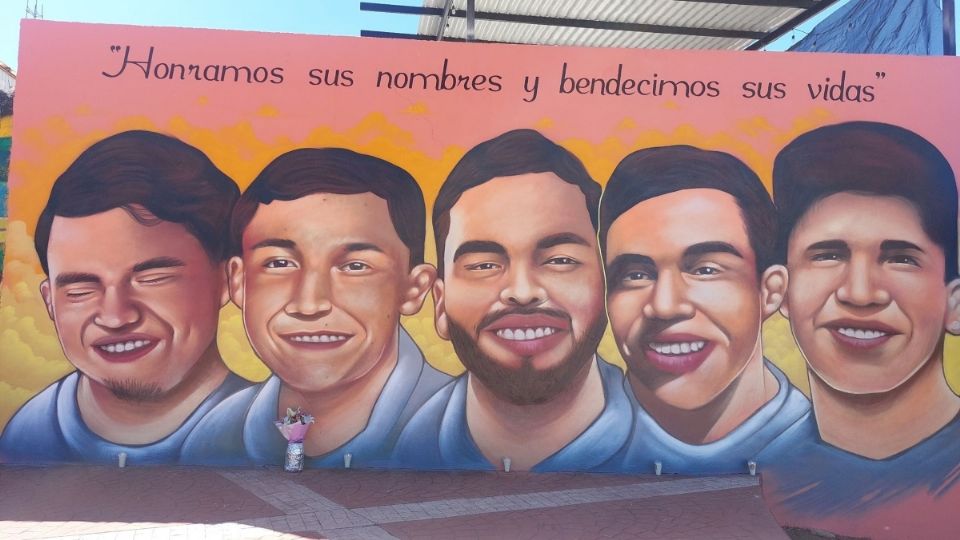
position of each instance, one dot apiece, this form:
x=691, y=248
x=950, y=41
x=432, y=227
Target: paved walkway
x=193, y=503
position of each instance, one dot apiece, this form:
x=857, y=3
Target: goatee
x=526, y=385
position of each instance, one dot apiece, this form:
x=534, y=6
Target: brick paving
x=161, y=503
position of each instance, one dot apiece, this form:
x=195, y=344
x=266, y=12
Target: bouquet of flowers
x=294, y=425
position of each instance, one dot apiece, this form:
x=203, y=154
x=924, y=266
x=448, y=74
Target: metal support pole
x=471, y=16
x=949, y=29
x=444, y=19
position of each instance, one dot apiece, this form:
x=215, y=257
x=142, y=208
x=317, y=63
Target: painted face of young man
x=135, y=313
x=867, y=301
x=684, y=298
x=522, y=292
x=322, y=283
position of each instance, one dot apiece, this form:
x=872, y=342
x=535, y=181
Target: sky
x=328, y=17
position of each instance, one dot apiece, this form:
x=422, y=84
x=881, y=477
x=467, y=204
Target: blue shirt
x=241, y=430
x=438, y=436
x=649, y=442
x=49, y=428
x=806, y=476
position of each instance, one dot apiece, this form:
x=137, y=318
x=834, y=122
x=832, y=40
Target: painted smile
x=317, y=340
x=675, y=349
x=677, y=353
x=860, y=335
x=525, y=334
x=125, y=348
x=529, y=334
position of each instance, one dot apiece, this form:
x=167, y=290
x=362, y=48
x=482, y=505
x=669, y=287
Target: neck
x=503, y=429
x=125, y=421
x=750, y=390
x=343, y=411
x=880, y=425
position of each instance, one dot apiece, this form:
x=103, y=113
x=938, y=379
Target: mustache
x=653, y=327
x=491, y=318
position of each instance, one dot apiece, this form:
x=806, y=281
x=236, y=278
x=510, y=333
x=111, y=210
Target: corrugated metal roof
x=760, y=17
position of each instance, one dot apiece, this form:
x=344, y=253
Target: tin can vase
x=294, y=461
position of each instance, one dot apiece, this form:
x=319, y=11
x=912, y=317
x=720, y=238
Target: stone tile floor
x=159, y=503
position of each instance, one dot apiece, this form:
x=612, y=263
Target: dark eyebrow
x=829, y=245
x=70, y=278
x=479, y=246
x=362, y=246
x=704, y=248
x=621, y=262
x=560, y=239
x=275, y=242
x=899, y=245
x=157, y=262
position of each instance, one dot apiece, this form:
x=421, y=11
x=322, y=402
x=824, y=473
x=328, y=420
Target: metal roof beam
x=424, y=37
x=570, y=23
x=798, y=4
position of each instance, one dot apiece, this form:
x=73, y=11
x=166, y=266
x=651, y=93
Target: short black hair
x=169, y=178
x=870, y=158
x=521, y=151
x=306, y=171
x=653, y=172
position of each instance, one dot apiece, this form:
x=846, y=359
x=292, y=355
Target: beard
x=526, y=385
x=134, y=390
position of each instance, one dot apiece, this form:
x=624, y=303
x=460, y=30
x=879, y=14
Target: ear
x=773, y=290
x=952, y=321
x=47, y=296
x=224, y=285
x=419, y=281
x=440, y=310
x=235, y=280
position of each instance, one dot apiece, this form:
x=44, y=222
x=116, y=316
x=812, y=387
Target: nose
x=668, y=300
x=117, y=309
x=523, y=289
x=861, y=286
x=311, y=298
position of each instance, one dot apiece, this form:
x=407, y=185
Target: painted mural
x=487, y=257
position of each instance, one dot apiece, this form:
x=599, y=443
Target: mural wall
x=459, y=256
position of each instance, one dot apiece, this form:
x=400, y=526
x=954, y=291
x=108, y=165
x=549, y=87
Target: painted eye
x=482, y=267
x=355, y=266
x=78, y=294
x=821, y=257
x=705, y=271
x=155, y=279
x=637, y=276
x=280, y=263
x=562, y=261
x=903, y=259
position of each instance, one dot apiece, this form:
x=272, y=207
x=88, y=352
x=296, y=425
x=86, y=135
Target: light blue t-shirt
x=241, y=430
x=650, y=443
x=49, y=428
x=438, y=436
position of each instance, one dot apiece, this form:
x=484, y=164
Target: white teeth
x=322, y=338
x=679, y=347
x=125, y=346
x=525, y=334
x=857, y=333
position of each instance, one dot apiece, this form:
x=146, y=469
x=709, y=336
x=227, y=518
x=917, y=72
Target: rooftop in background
x=674, y=24
x=8, y=79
